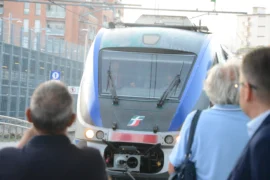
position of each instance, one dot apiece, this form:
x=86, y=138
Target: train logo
x=135, y=121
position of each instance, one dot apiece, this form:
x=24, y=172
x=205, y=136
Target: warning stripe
x=134, y=138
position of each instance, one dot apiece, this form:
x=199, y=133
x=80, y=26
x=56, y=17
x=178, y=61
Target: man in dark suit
x=254, y=85
x=45, y=152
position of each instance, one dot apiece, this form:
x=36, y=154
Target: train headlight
x=89, y=134
x=100, y=135
x=177, y=139
x=169, y=139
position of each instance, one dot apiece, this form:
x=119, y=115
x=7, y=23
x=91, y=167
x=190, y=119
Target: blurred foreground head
x=255, y=81
x=51, y=108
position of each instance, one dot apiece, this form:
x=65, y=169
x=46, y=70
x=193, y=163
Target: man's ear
x=249, y=93
x=28, y=115
x=72, y=120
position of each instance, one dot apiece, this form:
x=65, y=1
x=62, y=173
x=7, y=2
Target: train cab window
x=146, y=75
x=130, y=71
x=168, y=67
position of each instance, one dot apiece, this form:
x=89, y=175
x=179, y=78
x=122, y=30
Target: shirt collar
x=228, y=107
x=255, y=123
x=49, y=140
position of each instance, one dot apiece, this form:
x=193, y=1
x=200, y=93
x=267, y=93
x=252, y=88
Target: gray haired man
x=45, y=152
x=221, y=132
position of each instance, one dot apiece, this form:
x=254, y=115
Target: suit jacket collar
x=266, y=122
x=49, y=140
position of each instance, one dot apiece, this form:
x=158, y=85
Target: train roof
x=190, y=27
x=181, y=38
x=164, y=19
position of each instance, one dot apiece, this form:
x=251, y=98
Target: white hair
x=51, y=107
x=221, y=85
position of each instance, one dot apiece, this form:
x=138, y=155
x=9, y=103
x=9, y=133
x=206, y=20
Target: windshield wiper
x=173, y=86
x=110, y=83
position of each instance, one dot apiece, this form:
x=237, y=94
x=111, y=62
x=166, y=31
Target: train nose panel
x=137, y=116
x=138, y=119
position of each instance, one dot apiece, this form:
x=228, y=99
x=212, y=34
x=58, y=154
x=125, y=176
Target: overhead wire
x=80, y=16
x=172, y=10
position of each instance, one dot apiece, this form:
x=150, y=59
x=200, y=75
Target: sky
x=221, y=5
x=223, y=26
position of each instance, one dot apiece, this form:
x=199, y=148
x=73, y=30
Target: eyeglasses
x=237, y=85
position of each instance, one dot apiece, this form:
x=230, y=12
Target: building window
x=104, y=18
x=91, y=33
x=105, y=23
x=262, y=21
x=37, y=26
x=261, y=31
x=56, y=28
x=54, y=11
x=38, y=9
x=1, y=9
x=4, y=101
x=33, y=67
x=25, y=25
x=1, y=26
x=26, y=8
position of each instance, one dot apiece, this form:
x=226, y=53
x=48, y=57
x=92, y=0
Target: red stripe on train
x=135, y=138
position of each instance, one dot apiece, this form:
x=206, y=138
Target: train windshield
x=144, y=75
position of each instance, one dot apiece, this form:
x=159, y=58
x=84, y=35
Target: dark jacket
x=49, y=158
x=254, y=162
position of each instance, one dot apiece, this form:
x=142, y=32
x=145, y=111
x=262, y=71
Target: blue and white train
x=139, y=84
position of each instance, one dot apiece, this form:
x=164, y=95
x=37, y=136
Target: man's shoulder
x=261, y=139
x=190, y=117
x=188, y=121
x=263, y=134
x=95, y=160
x=227, y=114
x=9, y=151
x=9, y=154
x=90, y=152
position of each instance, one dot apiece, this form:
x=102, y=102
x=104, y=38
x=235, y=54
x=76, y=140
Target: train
x=140, y=81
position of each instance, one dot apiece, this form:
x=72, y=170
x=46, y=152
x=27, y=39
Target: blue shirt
x=220, y=138
x=256, y=122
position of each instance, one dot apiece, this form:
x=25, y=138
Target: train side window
x=215, y=60
x=220, y=55
x=225, y=54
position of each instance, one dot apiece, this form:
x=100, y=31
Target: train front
x=128, y=105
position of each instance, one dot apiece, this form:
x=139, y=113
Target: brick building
x=69, y=23
x=38, y=39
